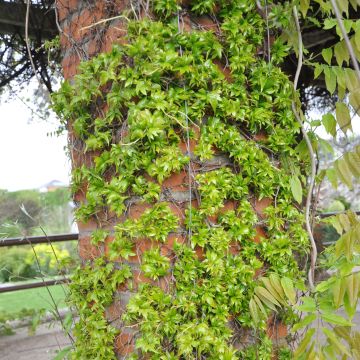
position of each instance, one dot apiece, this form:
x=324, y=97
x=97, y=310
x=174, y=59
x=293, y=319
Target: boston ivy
x=134, y=108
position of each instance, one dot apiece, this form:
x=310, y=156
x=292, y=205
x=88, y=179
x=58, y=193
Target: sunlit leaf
x=307, y=320
x=327, y=55
x=339, y=289
x=329, y=123
x=330, y=79
x=308, y=304
x=343, y=116
x=304, y=343
x=353, y=162
x=343, y=172
x=341, y=53
x=354, y=99
x=304, y=7
x=266, y=297
x=289, y=290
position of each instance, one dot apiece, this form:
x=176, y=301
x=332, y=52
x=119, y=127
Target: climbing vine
x=215, y=105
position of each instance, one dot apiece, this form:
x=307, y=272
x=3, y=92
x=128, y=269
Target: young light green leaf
x=343, y=117
x=289, y=290
x=307, y=320
x=344, y=8
x=352, y=287
x=352, y=160
x=327, y=54
x=329, y=24
x=329, y=122
x=318, y=70
x=354, y=99
x=343, y=172
x=296, y=188
x=304, y=343
x=341, y=53
x=326, y=146
x=331, y=174
x=265, y=296
x=357, y=39
x=272, y=290
x=339, y=292
x=304, y=7
x=335, y=319
x=260, y=305
x=276, y=283
x=308, y=304
x=352, y=82
x=330, y=79
x=254, y=311
x=332, y=337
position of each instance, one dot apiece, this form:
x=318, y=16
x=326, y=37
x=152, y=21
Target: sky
x=29, y=156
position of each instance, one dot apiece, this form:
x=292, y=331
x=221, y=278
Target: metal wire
x=267, y=32
x=187, y=146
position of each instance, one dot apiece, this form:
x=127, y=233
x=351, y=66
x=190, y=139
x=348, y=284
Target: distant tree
x=15, y=65
x=10, y=209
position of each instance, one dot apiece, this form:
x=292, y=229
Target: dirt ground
x=44, y=345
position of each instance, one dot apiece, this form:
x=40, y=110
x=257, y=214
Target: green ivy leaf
x=304, y=7
x=329, y=24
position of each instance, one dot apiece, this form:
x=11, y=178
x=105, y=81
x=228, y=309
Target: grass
x=32, y=299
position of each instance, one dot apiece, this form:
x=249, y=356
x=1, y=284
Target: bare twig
x=313, y=257
x=104, y=21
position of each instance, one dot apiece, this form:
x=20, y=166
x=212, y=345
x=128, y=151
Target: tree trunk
x=178, y=137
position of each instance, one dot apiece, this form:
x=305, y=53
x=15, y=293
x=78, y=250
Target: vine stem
x=180, y=29
x=27, y=41
x=313, y=256
x=104, y=21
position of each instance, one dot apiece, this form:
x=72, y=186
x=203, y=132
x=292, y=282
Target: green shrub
x=15, y=266
x=18, y=264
